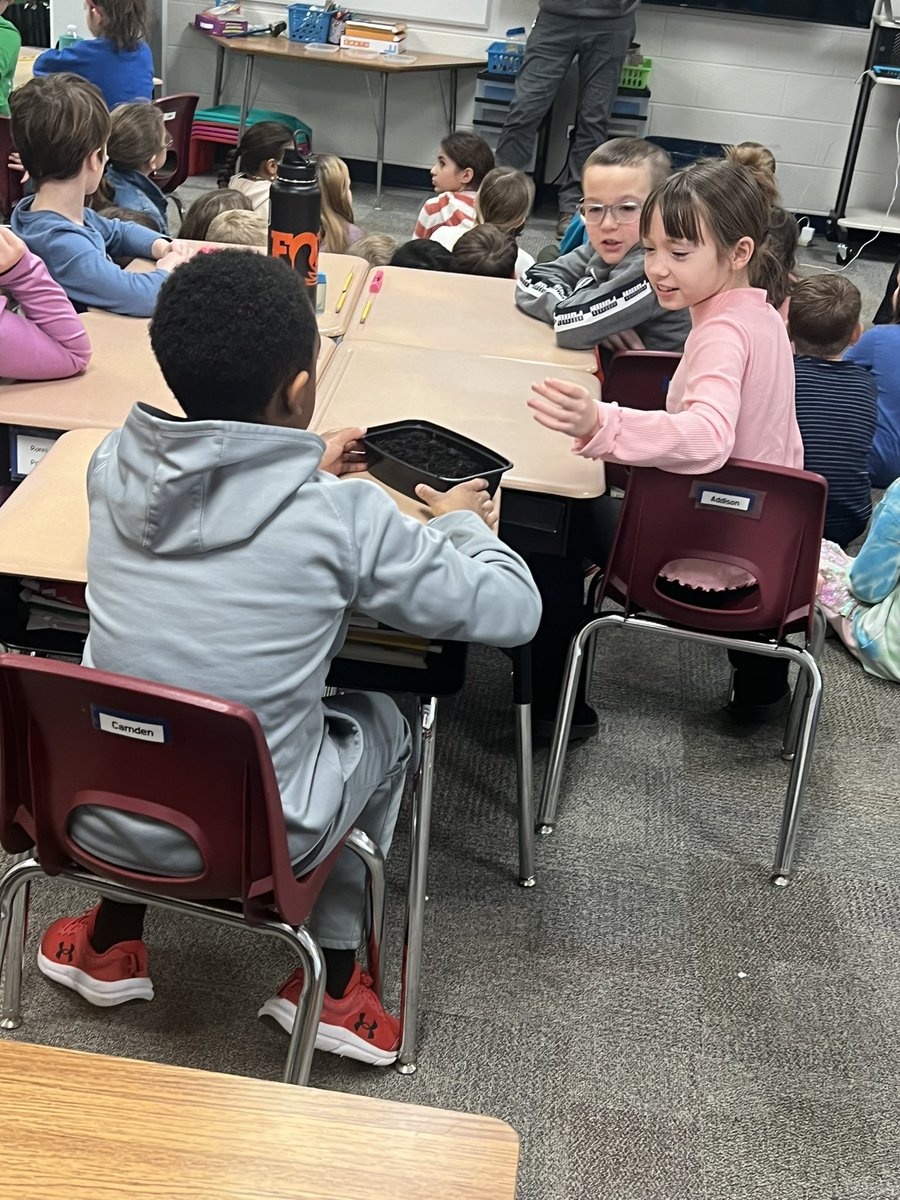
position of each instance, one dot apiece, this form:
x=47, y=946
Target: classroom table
x=382, y=65
x=110, y=1128
x=468, y=314
x=25, y=64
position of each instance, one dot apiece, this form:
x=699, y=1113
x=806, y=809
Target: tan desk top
x=146, y=1131
x=282, y=48
x=482, y=398
x=25, y=65
x=122, y=370
x=465, y=313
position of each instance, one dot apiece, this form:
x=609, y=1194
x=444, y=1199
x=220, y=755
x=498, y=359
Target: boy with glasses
x=598, y=294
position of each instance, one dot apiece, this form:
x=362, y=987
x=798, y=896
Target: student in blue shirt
x=60, y=126
x=116, y=58
x=878, y=350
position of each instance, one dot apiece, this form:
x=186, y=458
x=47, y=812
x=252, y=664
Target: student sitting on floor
x=486, y=250
x=837, y=401
x=461, y=164
x=115, y=58
x=732, y=395
x=44, y=339
x=376, y=248
x=60, y=126
x=599, y=294
x=239, y=228
x=197, y=219
x=423, y=255
x=233, y=518
x=338, y=232
x=257, y=154
x=505, y=200
x=137, y=147
x=878, y=350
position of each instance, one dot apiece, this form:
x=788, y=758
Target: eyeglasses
x=622, y=214
x=168, y=144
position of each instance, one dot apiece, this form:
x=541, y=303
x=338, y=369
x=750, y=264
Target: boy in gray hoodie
x=225, y=556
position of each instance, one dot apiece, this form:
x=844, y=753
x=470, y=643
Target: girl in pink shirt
x=704, y=231
x=45, y=339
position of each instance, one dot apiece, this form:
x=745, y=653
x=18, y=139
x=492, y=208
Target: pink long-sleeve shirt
x=46, y=340
x=732, y=396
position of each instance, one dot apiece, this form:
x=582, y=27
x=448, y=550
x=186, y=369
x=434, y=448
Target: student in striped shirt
x=461, y=164
x=837, y=400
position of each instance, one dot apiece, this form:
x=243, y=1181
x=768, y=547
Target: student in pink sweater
x=45, y=340
x=704, y=231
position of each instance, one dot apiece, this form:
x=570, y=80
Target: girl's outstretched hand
x=566, y=407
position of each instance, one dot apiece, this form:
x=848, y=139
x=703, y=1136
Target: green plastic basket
x=636, y=77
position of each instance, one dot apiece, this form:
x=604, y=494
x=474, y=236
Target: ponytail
x=223, y=179
x=265, y=140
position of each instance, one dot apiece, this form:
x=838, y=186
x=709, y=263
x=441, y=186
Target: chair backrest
x=11, y=189
x=72, y=736
x=178, y=114
x=637, y=379
x=763, y=519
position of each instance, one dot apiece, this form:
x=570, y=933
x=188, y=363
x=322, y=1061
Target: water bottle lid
x=295, y=167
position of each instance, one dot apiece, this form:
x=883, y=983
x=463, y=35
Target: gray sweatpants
x=370, y=802
x=601, y=47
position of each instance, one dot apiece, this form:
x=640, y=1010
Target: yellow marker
x=344, y=290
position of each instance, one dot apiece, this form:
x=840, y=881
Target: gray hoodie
x=221, y=559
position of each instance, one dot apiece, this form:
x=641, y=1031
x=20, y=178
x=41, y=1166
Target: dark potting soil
x=427, y=452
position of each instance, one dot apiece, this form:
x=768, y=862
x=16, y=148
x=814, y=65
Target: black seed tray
x=403, y=454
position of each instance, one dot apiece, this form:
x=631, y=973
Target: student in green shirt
x=10, y=45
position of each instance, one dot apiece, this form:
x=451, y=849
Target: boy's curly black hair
x=230, y=329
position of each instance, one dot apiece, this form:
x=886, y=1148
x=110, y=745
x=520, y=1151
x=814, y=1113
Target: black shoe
x=759, y=714
x=584, y=725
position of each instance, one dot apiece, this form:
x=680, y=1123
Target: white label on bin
x=29, y=452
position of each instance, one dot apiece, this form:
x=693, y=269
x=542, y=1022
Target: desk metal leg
x=14, y=918
x=521, y=660
x=381, y=127
x=419, y=838
x=245, y=101
x=220, y=67
x=454, y=87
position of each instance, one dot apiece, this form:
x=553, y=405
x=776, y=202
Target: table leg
x=454, y=88
x=245, y=101
x=522, y=689
x=381, y=126
x=220, y=67
x=419, y=838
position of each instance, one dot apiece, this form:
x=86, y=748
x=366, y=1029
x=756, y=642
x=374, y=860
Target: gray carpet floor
x=654, y=1019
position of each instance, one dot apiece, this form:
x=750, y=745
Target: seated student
x=197, y=219
x=486, y=250
x=505, y=200
x=10, y=45
x=376, y=248
x=233, y=517
x=338, y=232
x=462, y=163
x=422, y=255
x=837, y=401
x=784, y=237
x=137, y=147
x=239, y=228
x=60, y=126
x=116, y=58
x=599, y=294
x=44, y=339
x=257, y=154
x=878, y=350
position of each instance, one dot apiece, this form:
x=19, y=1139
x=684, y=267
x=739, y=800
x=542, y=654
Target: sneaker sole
x=102, y=993
x=333, y=1039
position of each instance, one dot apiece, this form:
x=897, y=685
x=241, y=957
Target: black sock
x=117, y=922
x=339, y=965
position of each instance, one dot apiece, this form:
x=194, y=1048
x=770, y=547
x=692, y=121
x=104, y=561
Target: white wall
x=715, y=78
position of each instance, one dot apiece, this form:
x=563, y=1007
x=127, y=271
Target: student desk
x=382, y=65
x=467, y=314
x=148, y=1131
x=25, y=65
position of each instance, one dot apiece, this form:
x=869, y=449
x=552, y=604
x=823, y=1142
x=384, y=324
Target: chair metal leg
x=420, y=836
x=309, y=1008
x=363, y=846
x=564, y=710
x=13, y=925
x=792, y=729
x=522, y=696
x=812, y=700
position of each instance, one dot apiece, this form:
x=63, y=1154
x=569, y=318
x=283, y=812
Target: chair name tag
x=743, y=503
x=726, y=500
x=131, y=727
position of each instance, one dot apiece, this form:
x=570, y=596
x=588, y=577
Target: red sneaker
x=66, y=956
x=356, y=1026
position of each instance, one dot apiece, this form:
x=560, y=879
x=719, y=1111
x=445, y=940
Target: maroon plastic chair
x=178, y=114
x=11, y=189
x=193, y=761
x=762, y=519
x=637, y=379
